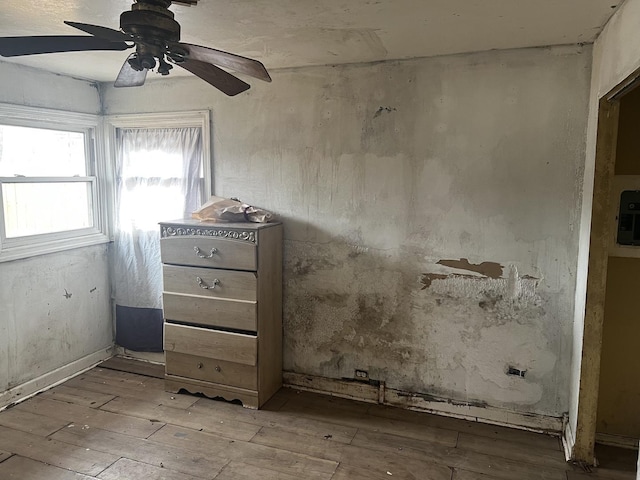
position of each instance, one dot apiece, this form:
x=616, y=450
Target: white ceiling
x=292, y=33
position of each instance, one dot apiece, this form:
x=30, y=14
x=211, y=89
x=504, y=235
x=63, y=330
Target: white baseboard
x=465, y=410
x=568, y=441
x=53, y=378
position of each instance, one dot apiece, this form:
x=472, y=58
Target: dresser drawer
x=209, y=252
x=214, y=312
x=210, y=282
x=212, y=370
x=202, y=342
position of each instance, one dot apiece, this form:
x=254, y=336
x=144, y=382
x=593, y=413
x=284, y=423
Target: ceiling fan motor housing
x=153, y=26
x=151, y=22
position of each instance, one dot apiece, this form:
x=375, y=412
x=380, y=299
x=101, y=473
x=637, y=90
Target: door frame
x=606, y=139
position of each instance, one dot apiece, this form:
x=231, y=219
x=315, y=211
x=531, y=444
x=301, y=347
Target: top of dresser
x=193, y=223
x=238, y=231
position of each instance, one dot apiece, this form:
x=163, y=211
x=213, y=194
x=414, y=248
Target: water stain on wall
x=426, y=279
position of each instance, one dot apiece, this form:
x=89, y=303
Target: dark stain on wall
x=370, y=308
x=334, y=364
x=382, y=110
x=432, y=398
x=489, y=303
x=488, y=269
x=427, y=278
x=334, y=299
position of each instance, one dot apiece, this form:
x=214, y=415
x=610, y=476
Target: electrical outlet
x=362, y=375
x=516, y=372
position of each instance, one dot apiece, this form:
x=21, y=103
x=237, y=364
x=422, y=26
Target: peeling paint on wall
x=513, y=288
x=488, y=269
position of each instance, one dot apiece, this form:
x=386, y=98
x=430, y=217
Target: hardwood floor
x=111, y=424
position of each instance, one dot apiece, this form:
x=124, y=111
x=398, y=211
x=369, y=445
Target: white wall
x=382, y=171
x=616, y=55
x=37, y=88
x=44, y=334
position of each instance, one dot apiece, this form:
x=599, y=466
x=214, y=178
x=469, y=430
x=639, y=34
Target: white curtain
x=158, y=177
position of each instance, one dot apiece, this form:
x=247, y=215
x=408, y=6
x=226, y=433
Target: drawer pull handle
x=208, y=287
x=200, y=365
x=202, y=255
x=218, y=369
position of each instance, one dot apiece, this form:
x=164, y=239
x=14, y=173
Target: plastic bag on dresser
x=219, y=209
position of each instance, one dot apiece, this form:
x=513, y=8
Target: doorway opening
x=609, y=404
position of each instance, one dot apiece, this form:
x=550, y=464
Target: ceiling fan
x=149, y=27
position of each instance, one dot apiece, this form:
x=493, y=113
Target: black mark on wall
x=427, y=278
x=382, y=110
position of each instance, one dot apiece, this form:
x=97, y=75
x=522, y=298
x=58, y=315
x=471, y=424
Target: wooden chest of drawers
x=223, y=309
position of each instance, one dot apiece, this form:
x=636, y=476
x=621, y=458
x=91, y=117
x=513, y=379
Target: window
x=50, y=190
x=163, y=166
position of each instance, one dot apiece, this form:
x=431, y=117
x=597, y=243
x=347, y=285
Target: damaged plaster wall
x=430, y=211
x=54, y=309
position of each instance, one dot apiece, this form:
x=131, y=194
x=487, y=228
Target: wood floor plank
x=291, y=463
x=151, y=390
x=499, y=467
x=134, y=366
x=85, y=398
x=22, y=468
x=314, y=446
x=112, y=424
x=52, y=452
x=125, y=377
x=362, y=458
x=276, y=402
x=197, y=420
x=355, y=419
x=267, y=418
x=601, y=474
x=85, y=417
x=349, y=472
x=31, y=422
x=172, y=457
x=330, y=402
x=242, y=471
x=130, y=469
x=536, y=440
x=467, y=475
x=380, y=462
x=512, y=450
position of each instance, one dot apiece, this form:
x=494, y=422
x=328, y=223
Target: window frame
x=96, y=178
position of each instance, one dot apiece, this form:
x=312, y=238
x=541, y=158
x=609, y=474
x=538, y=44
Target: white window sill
x=9, y=254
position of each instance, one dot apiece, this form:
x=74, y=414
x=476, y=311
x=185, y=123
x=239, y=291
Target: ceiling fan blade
x=130, y=77
x=233, y=62
x=18, y=46
x=101, y=32
x=223, y=81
